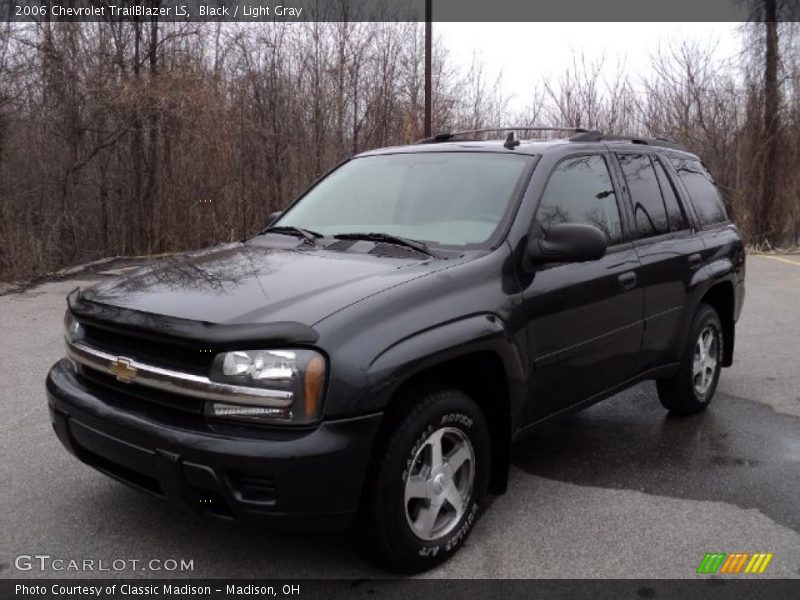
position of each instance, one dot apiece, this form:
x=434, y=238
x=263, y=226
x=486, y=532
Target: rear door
x=721, y=239
x=584, y=320
x=669, y=251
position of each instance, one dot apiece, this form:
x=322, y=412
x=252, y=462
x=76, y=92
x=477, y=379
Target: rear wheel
x=430, y=481
x=692, y=388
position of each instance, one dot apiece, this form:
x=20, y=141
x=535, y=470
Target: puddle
x=737, y=451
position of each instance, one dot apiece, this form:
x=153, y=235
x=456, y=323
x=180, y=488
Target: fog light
x=247, y=413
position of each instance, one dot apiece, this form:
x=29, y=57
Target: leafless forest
x=147, y=137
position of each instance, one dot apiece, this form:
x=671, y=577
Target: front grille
x=170, y=356
x=130, y=395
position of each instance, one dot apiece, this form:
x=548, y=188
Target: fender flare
x=718, y=272
x=430, y=347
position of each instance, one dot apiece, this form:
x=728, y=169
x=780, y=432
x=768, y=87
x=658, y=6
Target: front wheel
x=692, y=388
x=430, y=481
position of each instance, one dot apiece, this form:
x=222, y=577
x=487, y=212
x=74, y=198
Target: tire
x=412, y=521
x=691, y=390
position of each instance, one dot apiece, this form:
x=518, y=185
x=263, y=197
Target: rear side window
x=580, y=191
x=648, y=206
x=675, y=214
x=700, y=185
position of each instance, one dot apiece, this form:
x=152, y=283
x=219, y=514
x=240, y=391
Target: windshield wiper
x=307, y=234
x=389, y=239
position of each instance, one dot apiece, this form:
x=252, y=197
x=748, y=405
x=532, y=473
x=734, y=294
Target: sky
x=529, y=52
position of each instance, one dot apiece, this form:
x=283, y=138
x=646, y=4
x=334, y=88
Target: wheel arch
x=480, y=375
x=721, y=297
x=475, y=355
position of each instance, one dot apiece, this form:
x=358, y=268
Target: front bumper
x=288, y=479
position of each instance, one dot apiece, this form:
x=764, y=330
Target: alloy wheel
x=440, y=482
x=706, y=355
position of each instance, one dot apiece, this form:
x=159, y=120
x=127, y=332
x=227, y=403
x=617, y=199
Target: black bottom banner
x=405, y=589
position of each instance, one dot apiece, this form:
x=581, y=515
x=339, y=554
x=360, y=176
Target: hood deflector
x=184, y=332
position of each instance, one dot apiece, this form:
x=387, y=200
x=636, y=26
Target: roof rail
x=596, y=136
x=447, y=136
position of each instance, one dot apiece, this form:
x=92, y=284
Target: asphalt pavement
x=620, y=490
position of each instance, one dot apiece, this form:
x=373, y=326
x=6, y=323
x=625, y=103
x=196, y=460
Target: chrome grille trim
x=176, y=382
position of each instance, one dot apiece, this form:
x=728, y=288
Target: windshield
x=445, y=198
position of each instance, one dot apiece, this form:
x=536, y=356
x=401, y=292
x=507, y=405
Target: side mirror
x=273, y=216
x=567, y=242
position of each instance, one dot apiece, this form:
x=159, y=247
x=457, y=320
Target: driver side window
x=580, y=191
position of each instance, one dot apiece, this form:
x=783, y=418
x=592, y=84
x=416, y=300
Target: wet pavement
x=739, y=452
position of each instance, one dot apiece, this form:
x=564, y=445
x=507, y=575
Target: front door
x=584, y=320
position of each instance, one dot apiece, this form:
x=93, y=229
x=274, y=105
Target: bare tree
x=143, y=136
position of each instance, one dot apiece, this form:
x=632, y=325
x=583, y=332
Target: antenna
x=511, y=140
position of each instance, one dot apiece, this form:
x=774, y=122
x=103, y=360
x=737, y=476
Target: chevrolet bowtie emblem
x=121, y=369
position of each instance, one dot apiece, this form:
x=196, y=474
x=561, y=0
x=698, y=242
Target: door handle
x=627, y=280
x=695, y=260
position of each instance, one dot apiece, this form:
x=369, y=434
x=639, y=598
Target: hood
x=255, y=283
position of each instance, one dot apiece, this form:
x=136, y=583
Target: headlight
x=299, y=376
x=73, y=330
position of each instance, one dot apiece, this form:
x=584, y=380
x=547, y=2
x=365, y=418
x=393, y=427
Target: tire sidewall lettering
x=414, y=449
x=455, y=538
x=463, y=530
x=457, y=419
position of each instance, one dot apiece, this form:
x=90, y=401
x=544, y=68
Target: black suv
x=370, y=357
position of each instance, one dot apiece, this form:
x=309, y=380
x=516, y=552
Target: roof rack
x=447, y=136
x=580, y=135
x=596, y=136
